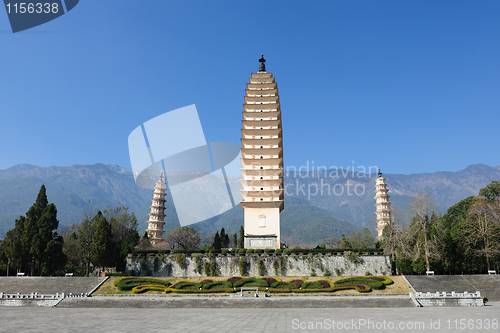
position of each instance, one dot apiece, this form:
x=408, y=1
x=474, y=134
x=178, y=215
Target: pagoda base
x=261, y=242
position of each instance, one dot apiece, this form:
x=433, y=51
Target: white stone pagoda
x=383, y=212
x=157, y=215
x=262, y=161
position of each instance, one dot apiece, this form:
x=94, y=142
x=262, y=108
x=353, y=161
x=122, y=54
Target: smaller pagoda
x=383, y=212
x=157, y=215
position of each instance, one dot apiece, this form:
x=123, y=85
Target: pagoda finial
x=262, y=66
x=161, y=176
x=379, y=173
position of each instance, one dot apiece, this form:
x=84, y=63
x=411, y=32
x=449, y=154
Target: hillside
x=308, y=217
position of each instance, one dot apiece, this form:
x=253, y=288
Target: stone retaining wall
x=273, y=265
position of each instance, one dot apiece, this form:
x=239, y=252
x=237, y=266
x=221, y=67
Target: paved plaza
x=475, y=319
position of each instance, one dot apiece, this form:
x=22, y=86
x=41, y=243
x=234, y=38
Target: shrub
x=298, y=283
x=149, y=287
x=242, y=264
x=324, y=283
x=283, y=285
x=241, y=251
x=206, y=268
x=180, y=259
x=251, y=282
x=225, y=251
x=187, y=285
x=269, y=280
x=313, y=273
x=276, y=265
x=213, y=268
x=206, y=281
x=233, y=279
x=367, y=273
x=370, y=282
x=327, y=273
x=131, y=282
x=287, y=251
x=249, y=251
x=269, y=251
x=278, y=251
x=156, y=261
x=197, y=261
x=258, y=251
x=311, y=285
x=218, y=285
x=260, y=267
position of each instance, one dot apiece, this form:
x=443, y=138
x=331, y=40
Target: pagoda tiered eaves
x=262, y=161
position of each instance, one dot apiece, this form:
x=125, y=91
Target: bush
x=311, y=285
x=327, y=273
x=187, y=285
x=206, y=281
x=283, y=285
x=371, y=282
x=298, y=283
x=197, y=261
x=242, y=264
x=241, y=251
x=258, y=251
x=225, y=251
x=269, y=280
x=251, y=282
x=149, y=287
x=131, y=282
x=206, y=268
x=324, y=283
x=249, y=251
x=180, y=259
x=260, y=267
x=278, y=251
x=218, y=285
x=156, y=261
x=233, y=279
x=287, y=251
x=269, y=251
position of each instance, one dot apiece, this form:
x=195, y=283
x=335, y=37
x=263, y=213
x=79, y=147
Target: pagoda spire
x=262, y=161
x=157, y=214
x=262, y=66
x=383, y=212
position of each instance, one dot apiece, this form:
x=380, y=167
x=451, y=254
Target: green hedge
x=250, y=282
x=128, y=283
x=361, y=280
x=148, y=287
x=218, y=285
x=187, y=285
x=281, y=285
x=311, y=285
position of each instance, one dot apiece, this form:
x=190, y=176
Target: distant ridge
x=307, y=219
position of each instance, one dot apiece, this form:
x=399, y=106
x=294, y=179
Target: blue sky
x=409, y=86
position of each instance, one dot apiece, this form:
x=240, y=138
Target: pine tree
x=241, y=242
x=217, y=241
x=223, y=238
x=102, y=249
x=235, y=240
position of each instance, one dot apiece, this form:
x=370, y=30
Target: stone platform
x=488, y=285
x=229, y=302
x=50, y=285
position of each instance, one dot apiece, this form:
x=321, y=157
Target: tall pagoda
x=157, y=214
x=383, y=212
x=262, y=161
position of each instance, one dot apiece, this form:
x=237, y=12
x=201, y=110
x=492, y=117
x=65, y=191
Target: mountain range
x=318, y=205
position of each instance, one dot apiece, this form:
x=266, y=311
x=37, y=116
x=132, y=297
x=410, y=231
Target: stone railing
x=447, y=299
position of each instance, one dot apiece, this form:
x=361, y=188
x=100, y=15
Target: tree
x=217, y=244
x=34, y=241
x=73, y=251
x=482, y=231
x=235, y=240
x=224, y=238
x=241, y=241
x=102, y=249
x=344, y=243
x=183, y=238
x=491, y=192
x=422, y=207
x=391, y=235
x=364, y=240
x=85, y=238
x=124, y=233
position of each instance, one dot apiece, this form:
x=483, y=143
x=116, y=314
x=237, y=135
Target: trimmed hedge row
x=124, y=284
x=258, y=251
x=359, y=283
